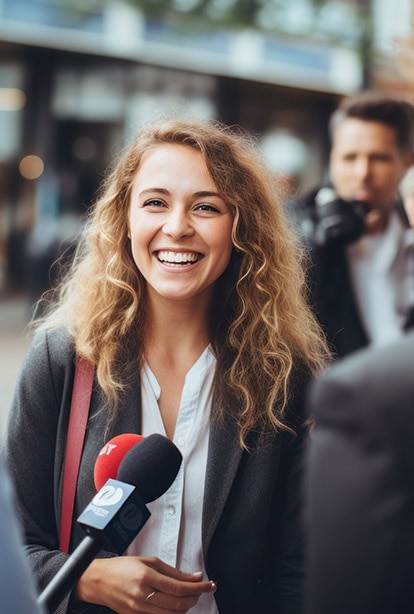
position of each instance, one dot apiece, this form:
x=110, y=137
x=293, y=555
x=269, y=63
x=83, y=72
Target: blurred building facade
x=74, y=88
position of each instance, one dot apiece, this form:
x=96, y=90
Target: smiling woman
x=187, y=295
x=181, y=230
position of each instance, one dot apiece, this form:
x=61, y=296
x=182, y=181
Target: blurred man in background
x=362, y=278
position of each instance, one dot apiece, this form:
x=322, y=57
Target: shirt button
x=171, y=510
x=181, y=441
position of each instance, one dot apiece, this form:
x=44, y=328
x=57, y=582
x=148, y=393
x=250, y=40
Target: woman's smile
x=178, y=259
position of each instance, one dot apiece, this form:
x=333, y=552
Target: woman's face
x=179, y=226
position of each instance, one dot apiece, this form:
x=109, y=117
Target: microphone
x=117, y=512
x=111, y=456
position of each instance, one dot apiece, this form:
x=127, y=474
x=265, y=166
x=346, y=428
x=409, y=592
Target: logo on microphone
x=118, y=512
x=107, y=449
x=107, y=496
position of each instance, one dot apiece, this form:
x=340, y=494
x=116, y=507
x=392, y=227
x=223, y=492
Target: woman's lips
x=178, y=258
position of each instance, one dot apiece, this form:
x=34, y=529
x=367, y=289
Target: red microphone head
x=111, y=456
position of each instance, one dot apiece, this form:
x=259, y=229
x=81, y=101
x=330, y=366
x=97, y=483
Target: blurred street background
x=78, y=77
x=14, y=344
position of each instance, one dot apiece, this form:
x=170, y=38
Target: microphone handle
x=70, y=572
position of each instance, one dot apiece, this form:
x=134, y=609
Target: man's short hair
x=373, y=106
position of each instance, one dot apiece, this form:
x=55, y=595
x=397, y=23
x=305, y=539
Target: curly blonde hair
x=262, y=330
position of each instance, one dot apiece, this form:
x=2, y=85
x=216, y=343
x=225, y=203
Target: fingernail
x=213, y=585
x=197, y=573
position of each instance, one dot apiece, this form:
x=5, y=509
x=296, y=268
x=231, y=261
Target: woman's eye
x=206, y=207
x=154, y=203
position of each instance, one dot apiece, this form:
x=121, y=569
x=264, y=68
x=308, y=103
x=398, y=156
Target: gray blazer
x=360, y=485
x=252, y=535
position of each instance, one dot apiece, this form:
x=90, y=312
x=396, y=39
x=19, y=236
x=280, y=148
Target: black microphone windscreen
x=151, y=466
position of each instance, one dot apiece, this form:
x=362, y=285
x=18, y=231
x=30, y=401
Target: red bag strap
x=78, y=419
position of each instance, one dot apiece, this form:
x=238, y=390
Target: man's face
x=367, y=164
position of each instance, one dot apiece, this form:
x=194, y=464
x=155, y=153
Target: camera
x=337, y=219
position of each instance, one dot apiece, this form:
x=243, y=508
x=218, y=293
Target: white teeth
x=177, y=257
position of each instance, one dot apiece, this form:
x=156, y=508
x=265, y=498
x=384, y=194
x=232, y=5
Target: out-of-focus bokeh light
x=284, y=152
x=11, y=99
x=31, y=167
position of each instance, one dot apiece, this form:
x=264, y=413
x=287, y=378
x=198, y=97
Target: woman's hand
x=131, y=584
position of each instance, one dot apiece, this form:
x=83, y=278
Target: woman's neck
x=176, y=332
x=173, y=342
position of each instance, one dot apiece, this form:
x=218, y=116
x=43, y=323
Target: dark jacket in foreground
x=252, y=536
x=16, y=584
x=360, y=485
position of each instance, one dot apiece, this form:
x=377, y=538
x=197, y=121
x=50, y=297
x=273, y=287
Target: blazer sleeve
x=283, y=583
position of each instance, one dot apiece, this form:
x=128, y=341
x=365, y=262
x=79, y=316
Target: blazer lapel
x=224, y=455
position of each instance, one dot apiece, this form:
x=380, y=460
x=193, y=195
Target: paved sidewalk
x=14, y=342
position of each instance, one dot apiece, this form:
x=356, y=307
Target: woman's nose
x=178, y=224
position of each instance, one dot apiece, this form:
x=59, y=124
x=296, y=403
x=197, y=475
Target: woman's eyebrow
x=199, y=194
x=203, y=193
x=157, y=190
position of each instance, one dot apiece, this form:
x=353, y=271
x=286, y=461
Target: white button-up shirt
x=173, y=532
x=382, y=278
